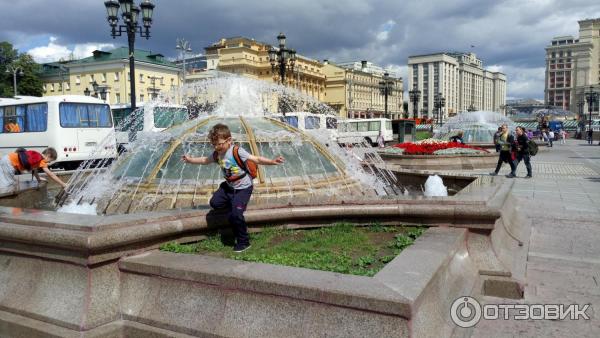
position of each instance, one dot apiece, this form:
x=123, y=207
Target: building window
x=117, y=76
x=118, y=97
x=51, y=87
x=162, y=81
x=67, y=86
x=78, y=80
x=141, y=78
x=103, y=77
x=141, y=97
x=91, y=78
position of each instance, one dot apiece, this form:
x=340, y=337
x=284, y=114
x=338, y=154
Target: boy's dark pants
x=235, y=202
x=505, y=156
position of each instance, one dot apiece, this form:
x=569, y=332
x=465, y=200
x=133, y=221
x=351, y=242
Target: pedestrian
x=27, y=160
x=506, y=143
x=496, y=137
x=550, y=137
x=238, y=168
x=458, y=138
x=590, y=136
x=380, y=140
x=563, y=136
x=523, y=151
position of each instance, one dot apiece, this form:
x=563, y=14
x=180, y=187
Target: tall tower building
x=572, y=66
x=460, y=79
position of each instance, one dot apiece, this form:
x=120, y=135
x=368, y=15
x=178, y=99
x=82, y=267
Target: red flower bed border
x=428, y=148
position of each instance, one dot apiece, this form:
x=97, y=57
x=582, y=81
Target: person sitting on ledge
x=458, y=138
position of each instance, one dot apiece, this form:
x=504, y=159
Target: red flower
x=428, y=148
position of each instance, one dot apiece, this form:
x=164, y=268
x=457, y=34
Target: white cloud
x=55, y=52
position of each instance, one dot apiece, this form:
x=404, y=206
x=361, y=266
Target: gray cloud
x=510, y=34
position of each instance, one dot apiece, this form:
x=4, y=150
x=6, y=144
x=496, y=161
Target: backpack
x=249, y=166
x=29, y=158
x=533, y=147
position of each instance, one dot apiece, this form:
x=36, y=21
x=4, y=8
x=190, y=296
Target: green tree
x=28, y=84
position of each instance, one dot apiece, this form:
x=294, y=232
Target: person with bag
x=238, y=168
x=23, y=160
x=523, y=151
x=506, y=144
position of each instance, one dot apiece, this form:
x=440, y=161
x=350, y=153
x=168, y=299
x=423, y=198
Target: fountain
x=150, y=176
x=99, y=276
x=478, y=127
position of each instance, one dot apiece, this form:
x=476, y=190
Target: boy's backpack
x=249, y=166
x=29, y=158
x=533, y=147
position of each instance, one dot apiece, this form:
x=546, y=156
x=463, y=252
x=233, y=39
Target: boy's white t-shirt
x=230, y=168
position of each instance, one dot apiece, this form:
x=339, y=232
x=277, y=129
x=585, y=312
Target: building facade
x=110, y=70
x=353, y=89
x=457, y=77
x=250, y=58
x=572, y=67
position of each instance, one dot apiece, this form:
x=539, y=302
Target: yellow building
x=250, y=58
x=354, y=91
x=110, y=70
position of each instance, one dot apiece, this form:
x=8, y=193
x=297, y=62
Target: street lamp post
x=185, y=47
x=282, y=59
x=129, y=14
x=438, y=103
x=385, y=87
x=591, y=97
x=15, y=70
x=99, y=91
x=414, y=96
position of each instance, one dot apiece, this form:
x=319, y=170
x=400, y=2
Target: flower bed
x=437, y=147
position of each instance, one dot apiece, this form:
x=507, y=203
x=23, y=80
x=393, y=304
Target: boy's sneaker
x=241, y=247
x=493, y=173
x=528, y=176
x=511, y=175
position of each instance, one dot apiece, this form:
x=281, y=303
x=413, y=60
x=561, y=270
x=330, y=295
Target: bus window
x=374, y=125
x=363, y=126
x=292, y=121
x=353, y=126
x=36, y=117
x=331, y=122
x=84, y=115
x=311, y=122
x=388, y=125
x=165, y=117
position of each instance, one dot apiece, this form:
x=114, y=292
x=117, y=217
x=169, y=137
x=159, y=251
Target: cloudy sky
x=508, y=35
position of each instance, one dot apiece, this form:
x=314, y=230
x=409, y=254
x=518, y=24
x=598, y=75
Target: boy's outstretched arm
x=54, y=177
x=196, y=160
x=266, y=161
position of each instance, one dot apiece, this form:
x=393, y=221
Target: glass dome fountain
x=478, y=127
x=152, y=176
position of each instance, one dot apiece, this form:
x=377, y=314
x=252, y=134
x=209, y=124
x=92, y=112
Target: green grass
x=422, y=135
x=341, y=248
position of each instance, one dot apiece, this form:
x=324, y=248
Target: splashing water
x=477, y=126
x=151, y=176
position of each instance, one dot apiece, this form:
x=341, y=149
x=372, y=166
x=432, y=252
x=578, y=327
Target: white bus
x=76, y=126
x=153, y=118
x=310, y=121
x=357, y=130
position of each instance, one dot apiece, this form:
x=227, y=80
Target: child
x=235, y=192
x=27, y=160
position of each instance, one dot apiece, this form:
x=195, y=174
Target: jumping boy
x=27, y=160
x=235, y=192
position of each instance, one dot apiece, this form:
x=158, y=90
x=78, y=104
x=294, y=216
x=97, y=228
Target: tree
x=28, y=84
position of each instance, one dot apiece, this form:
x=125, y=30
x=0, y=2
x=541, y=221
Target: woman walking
x=523, y=151
x=505, y=143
